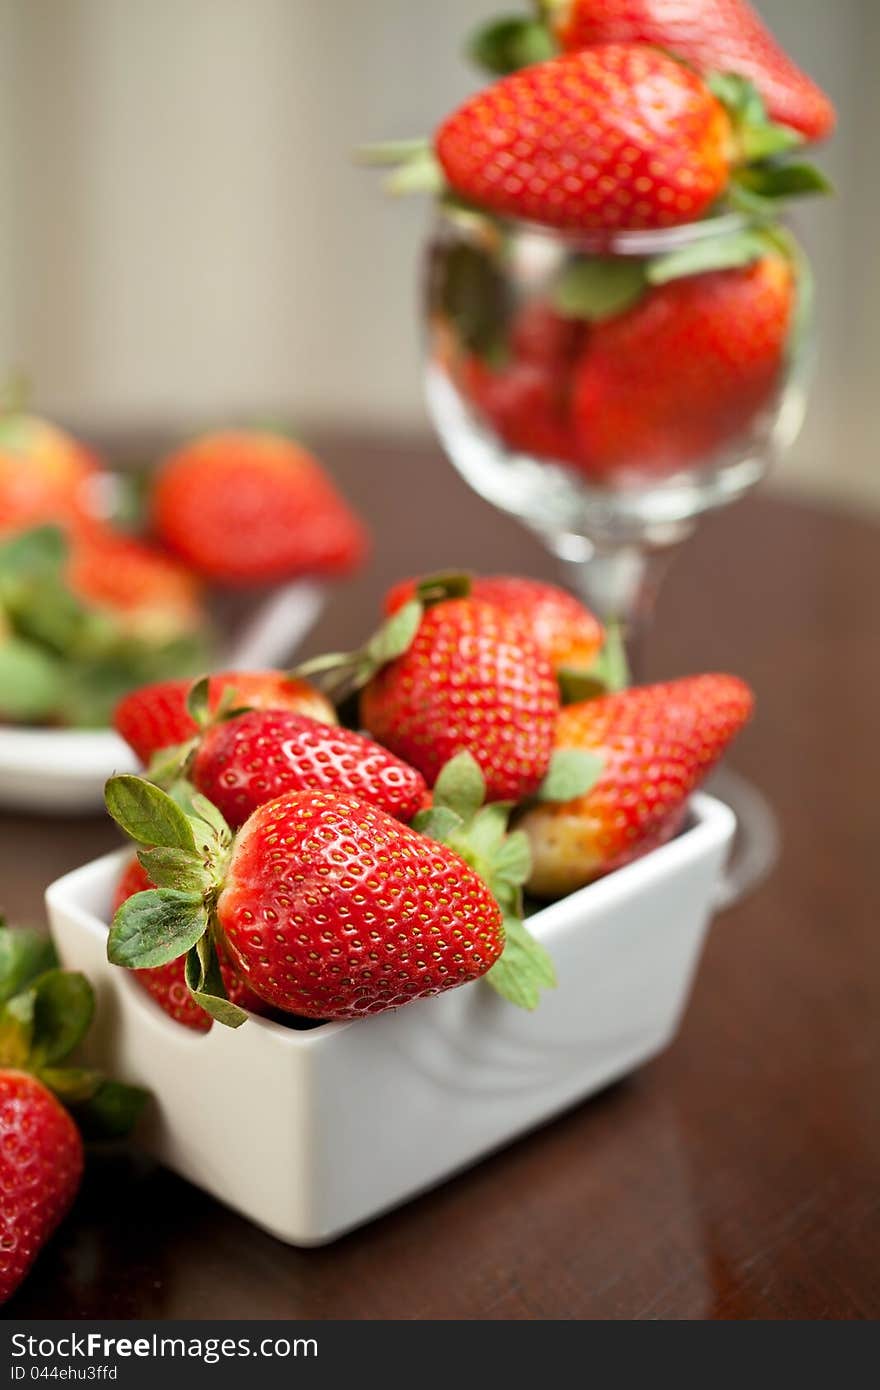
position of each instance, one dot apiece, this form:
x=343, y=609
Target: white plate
x=312, y=1133
x=63, y=770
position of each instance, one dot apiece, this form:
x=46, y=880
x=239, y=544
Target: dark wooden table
x=736, y=1176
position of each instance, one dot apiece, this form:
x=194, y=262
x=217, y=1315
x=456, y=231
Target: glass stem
x=619, y=583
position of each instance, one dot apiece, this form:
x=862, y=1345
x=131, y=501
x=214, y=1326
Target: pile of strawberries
x=89, y=610
x=289, y=864
x=625, y=364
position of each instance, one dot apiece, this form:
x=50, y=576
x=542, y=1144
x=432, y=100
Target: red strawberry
x=657, y=742
x=256, y=757
x=41, y=1164
x=332, y=909
x=567, y=632
x=471, y=680
x=712, y=35
x=254, y=508
x=167, y=983
x=524, y=403
x=684, y=372
x=156, y=716
x=617, y=136
x=150, y=593
x=45, y=474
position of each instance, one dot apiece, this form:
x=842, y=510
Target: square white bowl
x=349, y=1119
x=57, y=771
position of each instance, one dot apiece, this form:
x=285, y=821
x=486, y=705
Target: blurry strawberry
x=657, y=743
x=250, y=507
x=540, y=335
x=41, y=1164
x=45, y=474
x=328, y=907
x=166, y=984
x=711, y=35
x=156, y=716
x=151, y=594
x=523, y=402
x=684, y=372
x=617, y=136
x=256, y=757
x=567, y=633
x=470, y=680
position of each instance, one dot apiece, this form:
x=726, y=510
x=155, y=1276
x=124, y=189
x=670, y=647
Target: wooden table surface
x=734, y=1177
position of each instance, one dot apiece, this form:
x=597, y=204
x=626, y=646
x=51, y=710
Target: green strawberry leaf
x=513, y=861
x=24, y=954
x=175, y=868
x=434, y=588
x=31, y=681
x=71, y=1084
x=197, y=702
x=722, y=252
x=156, y=926
x=598, y=287
x=147, y=814
x=573, y=772
x=472, y=292
x=577, y=686
x=461, y=786
x=524, y=967
x=505, y=45
x=486, y=830
x=777, y=180
x=206, y=811
x=204, y=980
x=167, y=765
x=437, y=822
x=63, y=1009
x=42, y=551
x=340, y=674
x=757, y=135
x=111, y=1111
x=16, y=1030
x=608, y=673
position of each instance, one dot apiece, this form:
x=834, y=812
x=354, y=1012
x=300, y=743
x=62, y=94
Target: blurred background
x=185, y=238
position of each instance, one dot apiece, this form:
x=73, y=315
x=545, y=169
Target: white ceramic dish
x=312, y=1133
x=63, y=770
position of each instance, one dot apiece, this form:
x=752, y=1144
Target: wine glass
x=608, y=389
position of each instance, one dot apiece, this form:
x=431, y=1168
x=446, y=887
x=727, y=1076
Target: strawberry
x=471, y=679
x=567, y=633
x=328, y=907
x=258, y=756
x=149, y=593
x=246, y=508
x=166, y=984
x=617, y=136
x=41, y=1164
x=654, y=744
x=684, y=372
x=44, y=1014
x=45, y=474
x=156, y=716
x=711, y=35
x=524, y=403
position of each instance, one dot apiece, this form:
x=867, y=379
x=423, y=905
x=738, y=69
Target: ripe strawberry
x=567, y=633
x=156, y=716
x=256, y=757
x=470, y=680
x=657, y=743
x=149, y=592
x=617, y=136
x=252, y=508
x=524, y=403
x=684, y=372
x=328, y=907
x=711, y=35
x=332, y=909
x=45, y=474
x=167, y=983
x=44, y=1015
x=41, y=1164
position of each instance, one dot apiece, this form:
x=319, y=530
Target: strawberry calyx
x=340, y=674
x=45, y=1013
x=185, y=854
x=505, y=45
x=169, y=766
x=608, y=673
x=415, y=167
x=479, y=834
